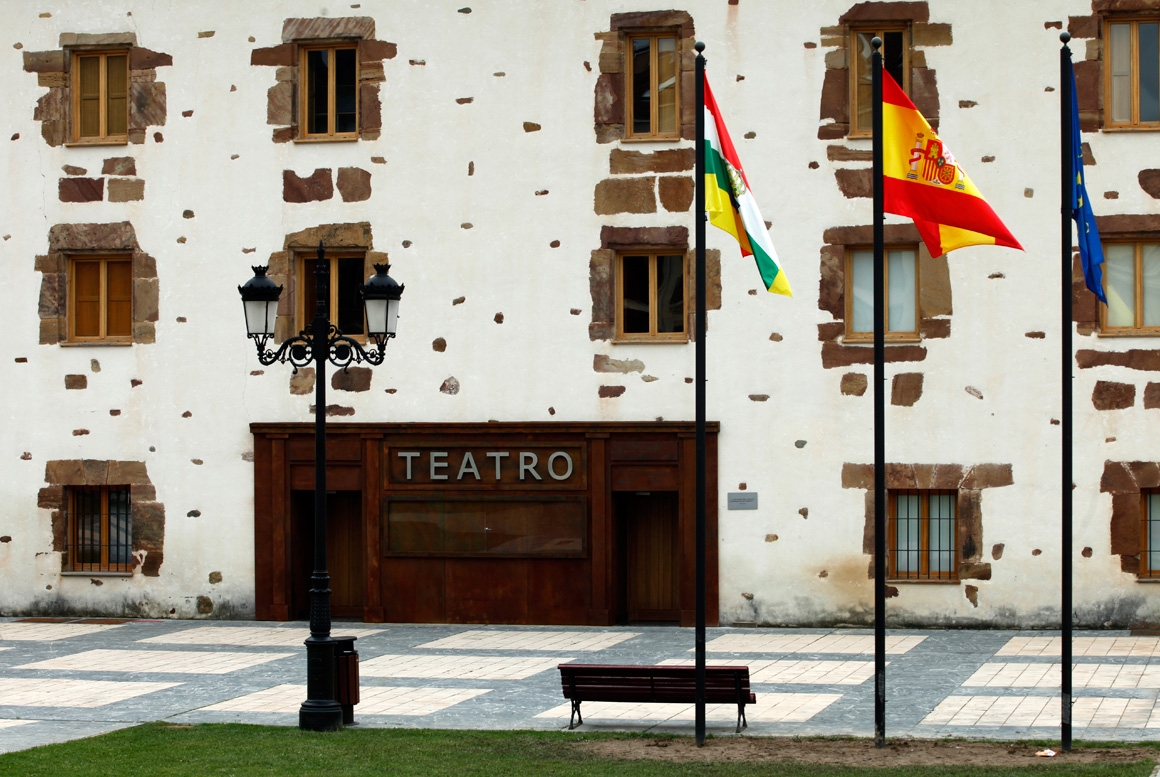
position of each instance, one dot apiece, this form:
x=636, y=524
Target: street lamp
x=319, y=342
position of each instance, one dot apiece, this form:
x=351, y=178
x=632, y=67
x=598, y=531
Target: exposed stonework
x=610, y=392
x=119, y=165
x=1125, y=480
x=81, y=189
x=854, y=384
x=603, y=363
x=1108, y=395
x=854, y=182
x=968, y=481
x=625, y=195
x=1152, y=396
x=281, y=110
x=354, y=184
x=1150, y=182
x=302, y=381
x=1133, y=359
x=76, y=382
x=906, y=388
x=126, y=189
x=148, y=528
x=621, y=162
x=114, y=238
x=352, y=379
x=147, y=105
x=316, y=187
x=676, y=193
x=609, y=111
x=834, y=109
x=450, y=386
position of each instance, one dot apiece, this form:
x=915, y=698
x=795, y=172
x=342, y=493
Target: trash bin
x=346, y=677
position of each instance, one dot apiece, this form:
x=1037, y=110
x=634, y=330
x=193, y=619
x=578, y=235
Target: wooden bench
x=672, y=684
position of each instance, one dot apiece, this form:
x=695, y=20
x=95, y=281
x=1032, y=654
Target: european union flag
x=1091, y=252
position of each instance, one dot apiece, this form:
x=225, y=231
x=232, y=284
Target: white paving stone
x=161, y=661
x=458, y=667
x=794, y=672
x=40, y=692
x=1032, y=711
x=1093, y=647
x=1026, y=675
x=809, y=643
x=374, y=700
x=9, y=723
x=245, y=636
x=50, y=632
x=560, y=641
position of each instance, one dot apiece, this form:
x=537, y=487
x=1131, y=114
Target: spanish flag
x=923, y=180
x=729, y=202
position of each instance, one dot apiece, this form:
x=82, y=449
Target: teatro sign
x=528, y=466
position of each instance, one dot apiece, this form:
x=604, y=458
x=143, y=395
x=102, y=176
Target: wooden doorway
x=344, y=552
x=649, y=555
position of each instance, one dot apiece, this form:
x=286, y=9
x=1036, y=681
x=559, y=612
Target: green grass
x=158, y=750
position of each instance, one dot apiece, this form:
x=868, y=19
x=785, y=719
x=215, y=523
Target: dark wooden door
x=344, y=552
x=651, y=555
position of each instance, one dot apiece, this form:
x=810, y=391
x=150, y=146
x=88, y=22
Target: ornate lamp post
x=319, y=342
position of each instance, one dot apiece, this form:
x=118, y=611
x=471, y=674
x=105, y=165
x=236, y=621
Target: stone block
x=50, y=498
x=302, y=382
x=609, y=100
x=147, y=104
x=839, y=355
x=931, y=34
x=831, y=330
x=610, y=392
x=95, y=472
x=349, y=234
x=906, y=389
x=600, y=280
x=832, y=283
x=280, y=104
x=616, y=237
x=51, y=331
x=314, y=188
x=119, y=165
x=376, y=51
x=81, y=189
x=924, y=94
x=917, y=11
x=44, y=61
x=352, y=379
x=1084, y=26
x=148, y=526
x=145, y=299
x=322, y=28
x=144, y=332
x=836, y=153
x=935, y=328
x=52, y=295
x=857, y=475
x=354, y=184
x=676, y=192
x=50, y=264
x=64, y=472
x=1150, y=182
x=603, y=363
x=935, y=294
x=274, y=56
x=1109, y=395
x=144, y=265
x=151, y=566
x=76, y=382
x=621, y=162
x=1145, y=473
x=854, y=182
x=144, y=59
x=370, y=117
x=1125, y=524
x=854, y=384
x=988, y=476
x=835, y=103
x=126, y=189
x=116, y=236
x=1117, y=478
x=52, y=80
x=625, y=195
x=128, y=473
x=1152, y=396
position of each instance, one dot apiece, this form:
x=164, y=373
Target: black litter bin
x=346, y=677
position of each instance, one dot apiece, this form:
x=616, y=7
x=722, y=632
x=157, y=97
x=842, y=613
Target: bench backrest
x=602, y=682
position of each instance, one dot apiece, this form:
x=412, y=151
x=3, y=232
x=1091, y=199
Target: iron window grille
x=922, y=535
x=100, y=529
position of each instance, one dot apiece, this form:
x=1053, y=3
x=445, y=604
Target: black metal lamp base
x=320, y=716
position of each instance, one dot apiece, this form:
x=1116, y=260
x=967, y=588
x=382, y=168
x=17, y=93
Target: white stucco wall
x=541, y=356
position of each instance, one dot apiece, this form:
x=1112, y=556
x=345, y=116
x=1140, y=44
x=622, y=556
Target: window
x=921, y=535
x=1132, y=78
x=100, y=299
x=1150, y=534
x=652, y=86
x=100, y=96
x=100, y=532
x=1132, y=286
x=895, y=61
x=329, y=90
x=901, y=288
x=344, y=304
x=650, y=296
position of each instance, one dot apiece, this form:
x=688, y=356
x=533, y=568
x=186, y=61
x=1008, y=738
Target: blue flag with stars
x=1091, y=252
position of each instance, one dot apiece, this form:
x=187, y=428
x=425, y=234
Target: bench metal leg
x=576, y=719
x=741, y=721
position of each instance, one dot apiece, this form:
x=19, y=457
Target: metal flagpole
x=879, y=409
x=1067, y=179
x=699, y=330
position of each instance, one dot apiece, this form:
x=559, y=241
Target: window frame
x=103, y=138
x=1134, y=90
x=854, y=70
x=652, y=336
x=1145, y=571
x=73, y=543
x=848, y=275
x=103, y=298
x=302, y=316
x=924, y=574
x=1138, y=329
x=303, y=134
x=654, y=132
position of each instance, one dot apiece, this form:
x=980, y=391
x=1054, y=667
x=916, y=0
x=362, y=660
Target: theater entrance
x=650, y=562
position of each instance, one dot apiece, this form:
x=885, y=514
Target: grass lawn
x=161, y=750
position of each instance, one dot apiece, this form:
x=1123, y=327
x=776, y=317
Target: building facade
x=525, y=453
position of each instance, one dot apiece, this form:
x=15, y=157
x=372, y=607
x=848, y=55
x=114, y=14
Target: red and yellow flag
x=921, y=179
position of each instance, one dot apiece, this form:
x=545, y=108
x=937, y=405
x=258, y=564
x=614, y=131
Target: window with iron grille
x=100, y=529
x=1150, y=534
x=921, y=535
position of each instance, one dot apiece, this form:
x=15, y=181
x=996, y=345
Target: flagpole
x=879, y=408
x=699, y=336
x=1067, y=178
